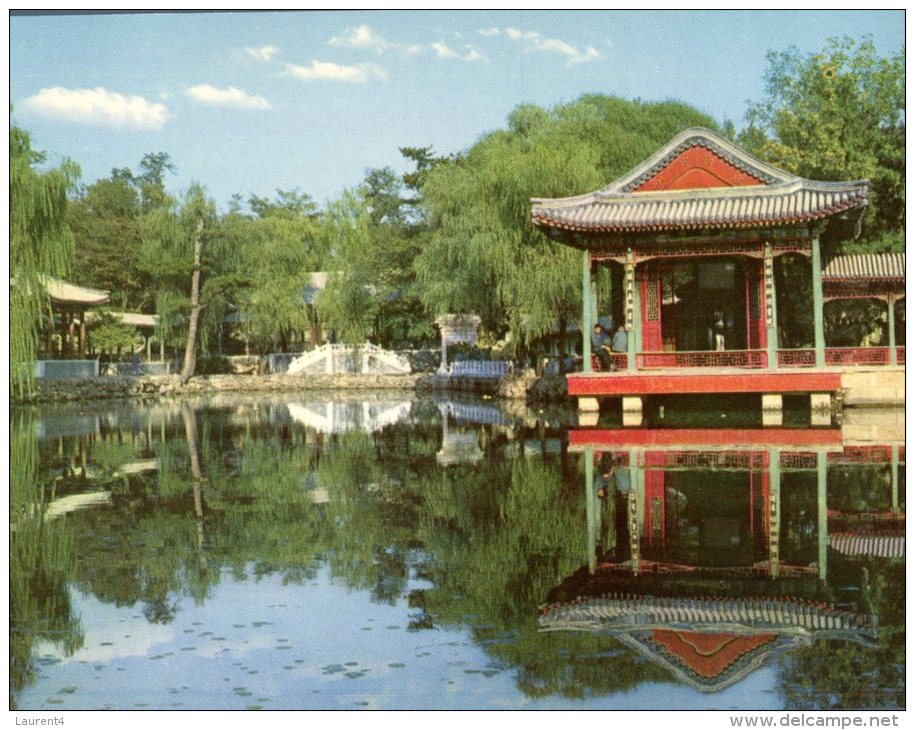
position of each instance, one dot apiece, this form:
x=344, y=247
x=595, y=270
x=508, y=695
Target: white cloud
x=534, y=41
x=226, y=97
x=362, y=37
x=365, y=38
x=360, y=73
x=444, y=51
x=264, y=53
x=97, y=106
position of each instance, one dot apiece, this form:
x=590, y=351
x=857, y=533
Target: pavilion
x=69, y=304
x=692, y=237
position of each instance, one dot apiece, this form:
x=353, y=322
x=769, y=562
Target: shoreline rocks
x=515, y=387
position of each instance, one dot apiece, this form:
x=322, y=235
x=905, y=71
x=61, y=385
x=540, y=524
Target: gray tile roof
x=628, y=613
x=865, y=267
x=783, y=199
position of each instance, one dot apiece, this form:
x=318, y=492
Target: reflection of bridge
x=337, y=416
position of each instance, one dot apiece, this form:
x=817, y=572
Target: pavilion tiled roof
x=625, y=613
x=756, y=194
x=708, y=643
x=881, y=546
x=865, y=267
x=63, y=292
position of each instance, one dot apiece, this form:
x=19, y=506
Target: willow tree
x=484, y=255
x=349, y=303
x=40, y=244
x=277, y=249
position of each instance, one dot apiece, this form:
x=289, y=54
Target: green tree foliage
x=187, y=267
x=276, y=250
x=398, y=235
x=110, y=334
x=838, y=114
x=484, y=256
x=40, y=244
x=349, y=303
x=104, y=221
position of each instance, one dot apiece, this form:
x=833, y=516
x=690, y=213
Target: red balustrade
x=840, y=356
x=857, y=356
x=702, y=359
x=618, y=361
x=804, y=358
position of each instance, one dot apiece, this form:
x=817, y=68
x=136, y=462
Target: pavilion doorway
x=702, y=304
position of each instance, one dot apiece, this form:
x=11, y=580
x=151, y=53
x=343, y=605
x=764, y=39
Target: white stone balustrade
x=481, y=368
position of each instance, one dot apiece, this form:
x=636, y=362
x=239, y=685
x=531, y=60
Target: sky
x=252, y=103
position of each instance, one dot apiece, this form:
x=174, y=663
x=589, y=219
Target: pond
x=399, y=552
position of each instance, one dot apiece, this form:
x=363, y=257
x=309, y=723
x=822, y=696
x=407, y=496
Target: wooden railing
x=806, y=357
x=803, y=358
x=618, y=361
x=857, y=356
x=701, y=359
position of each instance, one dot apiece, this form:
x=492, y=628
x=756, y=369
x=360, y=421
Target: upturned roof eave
x=605, y=197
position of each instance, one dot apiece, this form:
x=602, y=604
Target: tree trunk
x=190, y=432
x=190, y=351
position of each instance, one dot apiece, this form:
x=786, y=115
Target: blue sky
x=254, y=102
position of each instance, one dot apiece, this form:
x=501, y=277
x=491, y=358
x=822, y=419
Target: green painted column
x=819, y=339
x=586, y=323
x=771, y=309
x=591, y=510
x=595, y=304
x=822, y=528
x=894, y=480
x=633, y=313
x=774, y=510
x=637, y=513
x=891, y=326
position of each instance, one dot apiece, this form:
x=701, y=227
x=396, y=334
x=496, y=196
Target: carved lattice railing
x=857, y=356
x=805, y=358
x=702, y=359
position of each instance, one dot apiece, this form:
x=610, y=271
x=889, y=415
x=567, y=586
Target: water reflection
x=508, y=555
x=710, y=559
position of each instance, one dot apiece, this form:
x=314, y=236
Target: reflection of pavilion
x=335, y=416
x=706, y=641
x=762, y=495
x=715, y=559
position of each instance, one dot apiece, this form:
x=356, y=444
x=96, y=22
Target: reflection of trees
x=860, y=488
x=42, y=563
x=832, y=675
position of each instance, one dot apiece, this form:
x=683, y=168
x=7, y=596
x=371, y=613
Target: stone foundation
x=878, y=387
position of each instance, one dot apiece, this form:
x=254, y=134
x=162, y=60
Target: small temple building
x=692, y=238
